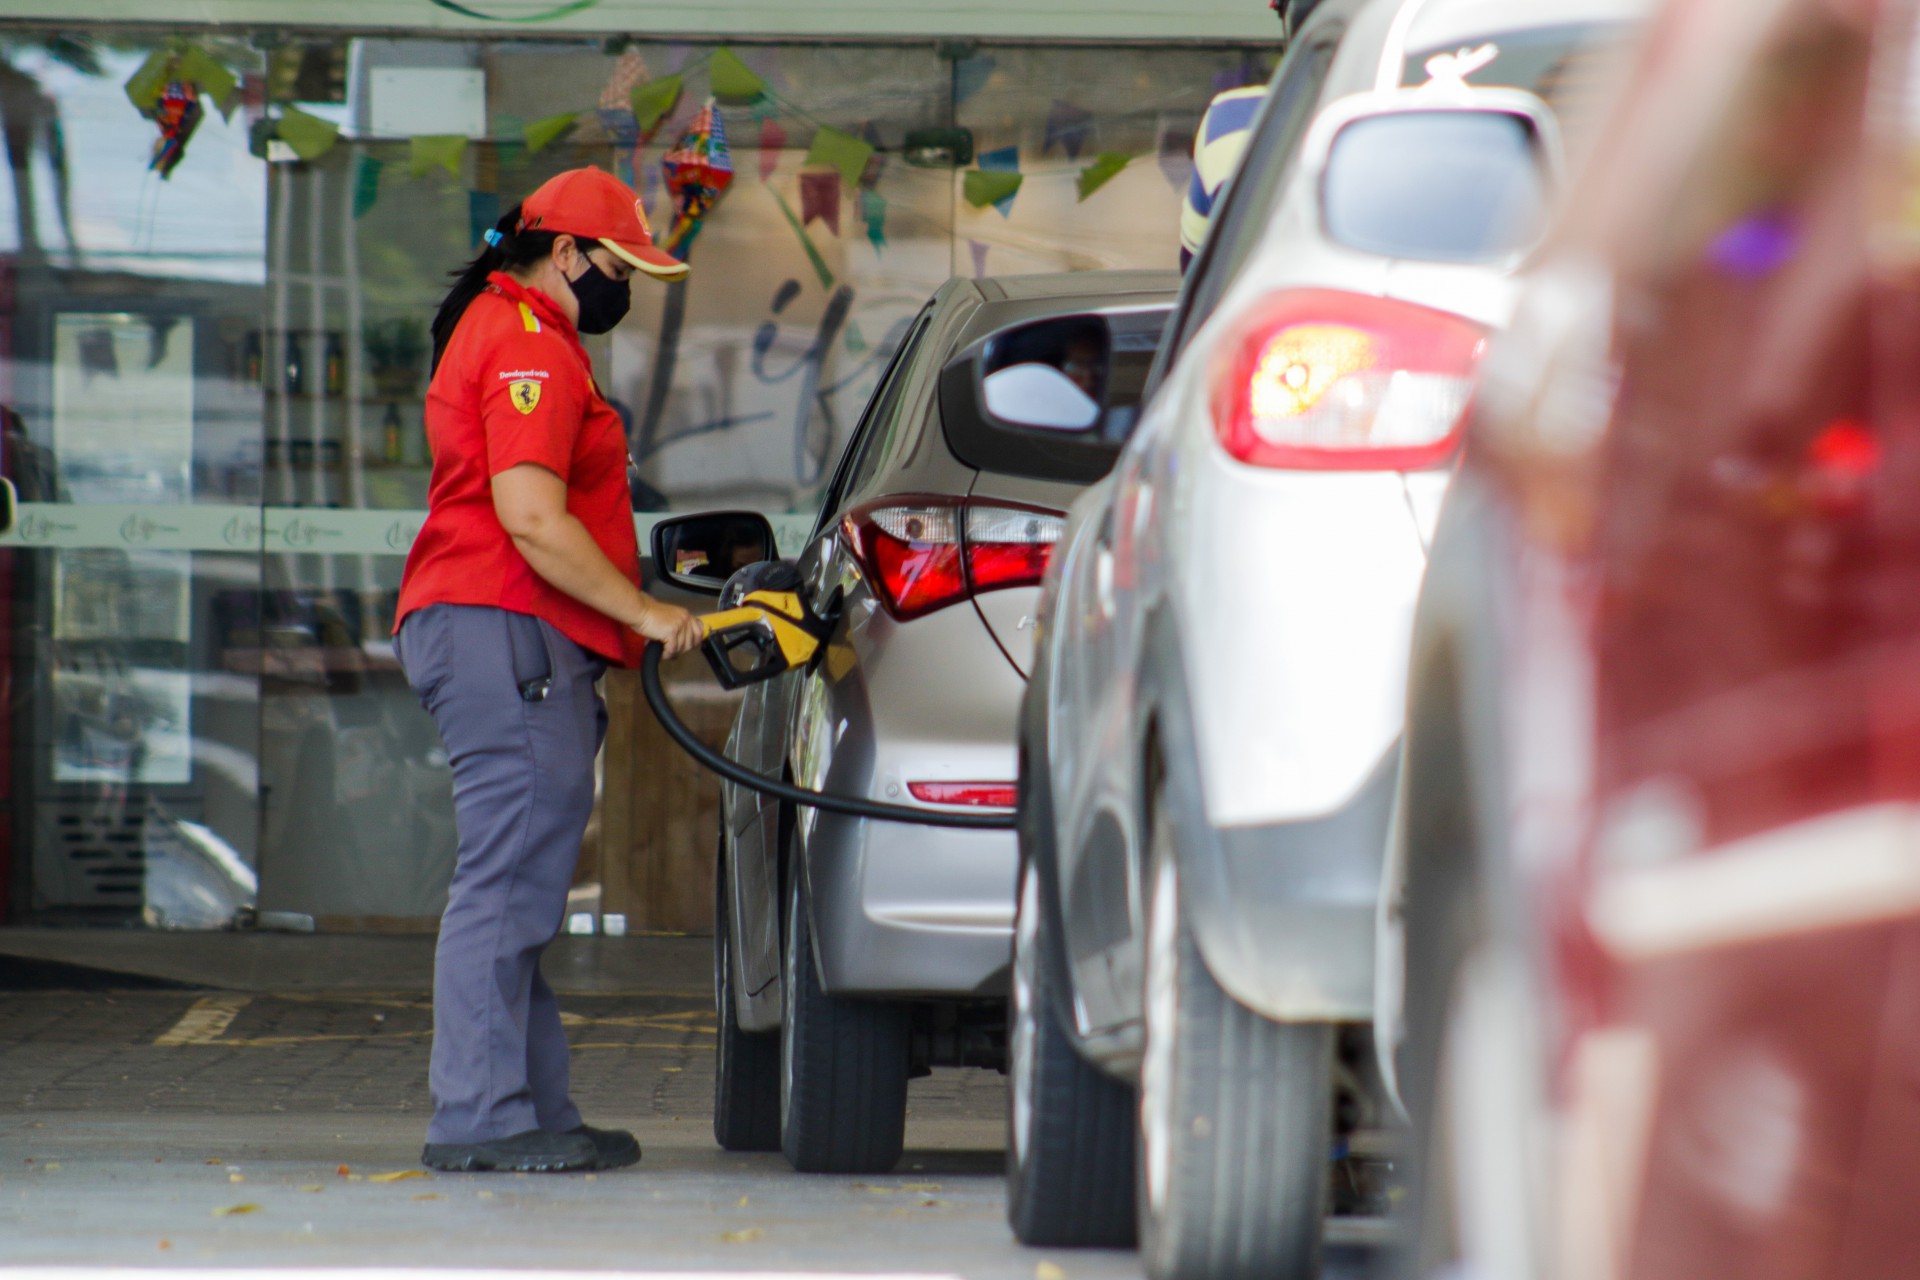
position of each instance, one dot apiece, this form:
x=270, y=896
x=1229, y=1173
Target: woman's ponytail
x=505, y=248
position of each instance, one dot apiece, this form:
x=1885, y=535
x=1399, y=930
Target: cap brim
x=657, y=263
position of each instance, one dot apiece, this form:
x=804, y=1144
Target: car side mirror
x=700, y=552
x=1446, y=172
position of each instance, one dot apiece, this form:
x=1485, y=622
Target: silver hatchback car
x=850, y=954
x=1213, y=727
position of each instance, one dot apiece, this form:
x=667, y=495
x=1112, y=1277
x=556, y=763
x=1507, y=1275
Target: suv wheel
x=1235, y=1115
x=746, y=1069
x=1069, y=1126
x=843, y=1065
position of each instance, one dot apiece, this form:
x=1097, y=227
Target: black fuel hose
x=734, y=771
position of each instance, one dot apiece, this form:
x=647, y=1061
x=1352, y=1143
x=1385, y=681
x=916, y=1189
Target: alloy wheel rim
x=1162, y=1010
x=1025, y=1028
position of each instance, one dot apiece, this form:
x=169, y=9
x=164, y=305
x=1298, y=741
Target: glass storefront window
x=213, y=387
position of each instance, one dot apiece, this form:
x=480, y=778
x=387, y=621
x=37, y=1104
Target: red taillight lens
x=1320, y=380
x=971, y=795
x=924, y=553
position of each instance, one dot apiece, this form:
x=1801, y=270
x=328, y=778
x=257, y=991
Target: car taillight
x=1321, y=380
x=926, y=552
x=970, y=795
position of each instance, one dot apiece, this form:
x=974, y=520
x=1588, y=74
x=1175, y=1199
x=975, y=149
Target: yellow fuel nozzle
x=769, y=633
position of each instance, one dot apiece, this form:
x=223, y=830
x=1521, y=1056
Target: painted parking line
x=206, y=1021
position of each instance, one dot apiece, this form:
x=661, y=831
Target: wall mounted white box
x=410, y=102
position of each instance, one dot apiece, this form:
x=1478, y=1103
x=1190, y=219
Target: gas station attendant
x=521, y=588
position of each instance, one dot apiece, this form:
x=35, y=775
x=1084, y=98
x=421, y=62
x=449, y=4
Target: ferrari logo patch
x=525, y=393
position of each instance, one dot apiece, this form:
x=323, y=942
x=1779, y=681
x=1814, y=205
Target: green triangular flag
x=843, y=151
x=144, y=86
x=873, y=211
x=732, y=79
x=983, y=187
x=366, y=184
x=856, y=341
x=820, y=267
x=442, y=149
x=308, y=135
x=654, y=99
x=1104, y=168
x=542, y=134
x=204, y=71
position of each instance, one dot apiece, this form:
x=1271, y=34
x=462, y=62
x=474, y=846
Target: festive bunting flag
x=1068, y=126
x=820, y=267
x=366, y=184
x=543, y=133
x=628, y=71
x=970, y=75
x=308, y=135
x=443, y=150
x=856, y=341
x=995, y=182
x=201, y=69
x=979, y=252
x=144, y=85
x=651, y=101
x=877, y=162
x=844, y=152
x=982, y=188
x=732, y=79
x=698, y=171
x=1104, y=168
x=773, y=140
x=873, y=212
x=820, y=198
x=483, y=213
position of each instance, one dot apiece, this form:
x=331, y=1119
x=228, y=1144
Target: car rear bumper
x=904, y=911
x=1284, y=914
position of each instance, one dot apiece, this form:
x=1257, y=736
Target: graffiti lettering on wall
x=781, y=358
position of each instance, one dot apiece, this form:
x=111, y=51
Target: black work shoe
x=612, y=1148
x=535, y=1151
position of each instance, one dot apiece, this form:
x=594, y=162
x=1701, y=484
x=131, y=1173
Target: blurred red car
x=1658, y=841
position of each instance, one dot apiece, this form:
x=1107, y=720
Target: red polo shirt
x=515, y=386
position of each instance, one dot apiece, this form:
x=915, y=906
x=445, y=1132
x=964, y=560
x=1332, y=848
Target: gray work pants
x=522, y=794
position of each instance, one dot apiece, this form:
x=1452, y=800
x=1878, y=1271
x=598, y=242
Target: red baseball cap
x=592, y=204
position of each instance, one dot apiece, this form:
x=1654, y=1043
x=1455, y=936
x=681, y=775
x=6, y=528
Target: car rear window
x=1437, y=186
x=1081, y=457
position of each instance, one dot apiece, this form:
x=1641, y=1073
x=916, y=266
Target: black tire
x=746, y=1069
x=1235, y=1115
x=843, y=1065
x=1070, y=1127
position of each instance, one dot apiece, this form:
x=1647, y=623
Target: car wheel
x=746, y=1069
x=1069, y=1126
x=843, y=1065
x=1235, y=1115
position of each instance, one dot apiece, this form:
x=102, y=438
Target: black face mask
x=603, y=300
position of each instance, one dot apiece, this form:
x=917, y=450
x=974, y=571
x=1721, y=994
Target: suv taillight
x=923, y=552
x=1321, y=380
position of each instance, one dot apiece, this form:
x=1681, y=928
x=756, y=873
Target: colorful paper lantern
x=698, y=171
